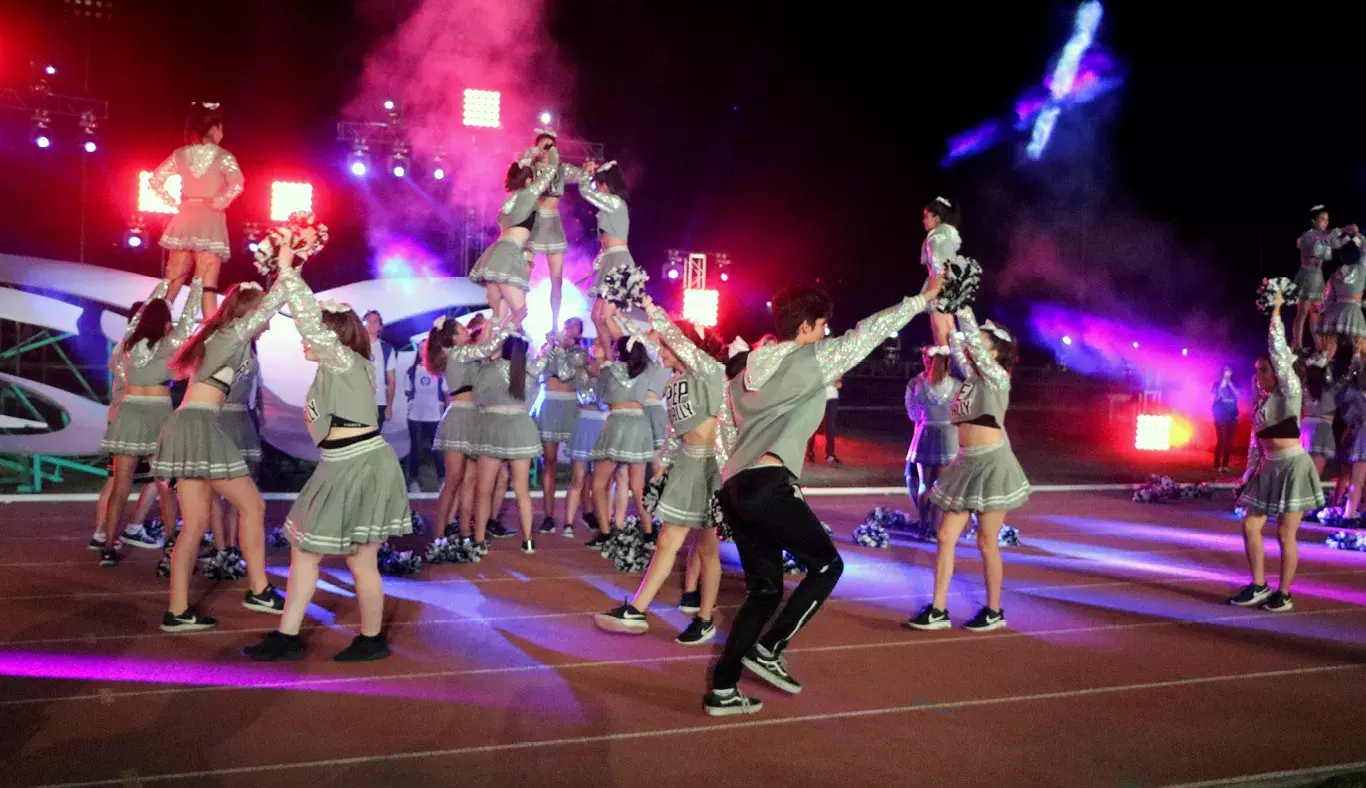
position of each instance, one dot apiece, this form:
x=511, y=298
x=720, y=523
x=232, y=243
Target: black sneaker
x=529, y=547
x=1251, y=595
x=548, y=526
x=109, y=557
x=480, y=548
x=268, y=601
x=189, y=621
x=690, y=602
x=697, y=633
x=590, y=520
x=986, y=620
x=139, y=537
x=1279, y=602
x=771, y=668
x=364, y=649
x=624, y=619
x=568, y=531
x=276, y=646
x=498, y=531
x=451, y=531
x=599, y=539
x=930, y=618
x=97, y=542
x=723, y=703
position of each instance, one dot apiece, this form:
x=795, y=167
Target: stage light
x=252, y=231
x=148, y=201
x=89, y=125
x=701, y=307
x=725, y=277
x=90, y=146
x=438, y=168
x=546, y=117
x=287, y=197
x=1154, y=433
x=482, y=108
x=1067, y=340
x=358, y=162
x=439, y=174
x=673, y=272
x=1185, y=351
x=51, y=71
x=42, y=140
x=40, y=135
x=358, y=168
x=389, y=106
x=1135, y=346
x=136, y=237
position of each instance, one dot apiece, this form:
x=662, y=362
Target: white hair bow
x=609, y=165
x=332, y=306
x=547, y=133
x=210, y=106
x=943, y=202
x=1318, y=209
x=439, y=323
x=249, y=286
x=937, y=350
x=997, y=331
x=738, y=346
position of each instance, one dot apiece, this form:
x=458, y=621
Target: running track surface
x=1122, y=667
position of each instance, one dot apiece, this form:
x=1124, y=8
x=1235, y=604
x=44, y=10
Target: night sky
x=804, y=146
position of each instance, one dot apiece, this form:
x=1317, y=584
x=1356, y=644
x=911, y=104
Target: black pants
x=832, y=409
x=767, y=514
x=420, y=435
x=382, y=408
x=1223, y=442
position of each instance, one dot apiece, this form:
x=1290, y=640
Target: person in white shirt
x=426, y=393
x=832, y=409
x=383, y=357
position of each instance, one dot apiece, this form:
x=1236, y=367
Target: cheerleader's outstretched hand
x=931, y=288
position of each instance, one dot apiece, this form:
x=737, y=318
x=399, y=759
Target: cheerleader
x=935, y=443
x=582, y=439
x=1284, y=484
x=201, y=458
x=356, y=498
x=1342, y=316
x=659, y=378
x=505, y=389
x=564, y=358
x=940, y=220
x=985, y=477
x=502, y=269
x=209, y=181
x=1316, y=415
x=1316, y=246
x=547, y=233
x=693, y=476
x=145, y=407
x=604, y=188
x=239, y=422
x=625, y=439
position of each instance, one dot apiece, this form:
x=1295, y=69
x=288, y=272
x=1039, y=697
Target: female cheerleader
x=564, y=359
x=985, y=477
x=660, y=375
x=625, y=438
x=356, y=498
x=935, y=443
x=202, y=459
x=239, y=423
x=695, y=397
x=209, y=181
x=941, y=245
x=604, y=188
x=1316, y=417
x=547, y=233
x=582, y=439
x=144, y=408
x=1284, y=484
x=1316, y=246
x=505, y=389
x=1341, y=316
x=502, y=269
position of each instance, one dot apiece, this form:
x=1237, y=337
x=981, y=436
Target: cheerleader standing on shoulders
x=695, y=397
x=502, y=269
x=941, y=245
x=984, y=478
x=625, y=439
x=547, y=234
x=582, y=439
x=1284, y=484
x=356, y=498
x=935, y=443
x=1316, y=246
x=144, y=408
x=564, y=359
x=605, y=189
x=201, y=458
x=197, y=237
x=1342, y=316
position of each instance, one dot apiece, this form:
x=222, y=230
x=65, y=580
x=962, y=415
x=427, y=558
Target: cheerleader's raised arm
x=838, y=356
x=1282, y=359
x=697, y=362
x=971, y=354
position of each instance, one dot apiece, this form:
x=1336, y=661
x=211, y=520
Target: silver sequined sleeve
x=726, y=430
x=157, y=292
x=595, y=198
x=160, y=175
x=264, y=311
x=572, y=174
x=233, y=180
x=913, y=408
x=941, y=249
x=185, y=325
x=308, y=318
x=693, y=358
x=838, y=356
x=976, y=351
x=541, y=181
x=1282, y=359
x=672, y=445
x=481, y=350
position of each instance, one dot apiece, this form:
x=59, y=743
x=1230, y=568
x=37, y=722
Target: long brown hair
x=514, y=352
x=155, y=315
x=349, y=330
x=237, y=303
x=438, y=341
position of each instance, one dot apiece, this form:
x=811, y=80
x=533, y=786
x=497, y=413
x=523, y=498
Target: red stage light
x=287, y=197
x=701, y=307
x=482, y=108
x=1154, y=433
x=148, y=201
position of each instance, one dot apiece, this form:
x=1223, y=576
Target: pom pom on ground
x=963, y=276
x=226, y=565
x=872, y=535
x=1347, y=540
x=630, y=548
x=277, y=537
x=791, y=566
x=624, y=286
x=452, y=550
x=1277, y=284
x=653, y=489
x=420, y=523
x=1009, y=536
x=401, y=564
x=1160, y=489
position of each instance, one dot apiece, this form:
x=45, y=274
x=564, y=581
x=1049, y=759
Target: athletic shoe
x=590, y=520
x=364, y=649
x=548, y=526
x=624, y=619
x=599, y=539
x=109, y=557
x=137, y=536
x=452, y=529
x=97, y=542
x=568, y=531
x=690, y=602
x=697, y=633
x=498, y=531
x=723, y=703
x=931, y=618
x=529, y=547
x=189, y=621
x=276, y=646
x=268, y=601
x=986, y=620
x=1279, y=602
x=771, y=668
x=1251, y=595
x=480, y=548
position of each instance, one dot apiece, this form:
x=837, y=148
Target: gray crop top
x=564, y=363
x=616, y=386
x=1316, y=245
x=985, y=391
x=492, y=380
x=519, y=209
x=146, y=365
x=230, y=346
x=1284, y=401
x=1348, y=282
x=614, y=216
x=462, y=361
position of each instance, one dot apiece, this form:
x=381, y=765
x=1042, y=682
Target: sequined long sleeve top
x=146, y=364
x=941, y=246
x=985, y=390
x=614, y=216
x=521, y=204
x=207, y=173
x=695, y=396
x=462, y=361
x=229, y=347
x=1316, y=245
x=1284, y=401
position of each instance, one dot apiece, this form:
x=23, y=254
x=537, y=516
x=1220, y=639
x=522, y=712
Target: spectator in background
x=384, y=358
x=832, y=409
x=1225, y=419
x=426, y=392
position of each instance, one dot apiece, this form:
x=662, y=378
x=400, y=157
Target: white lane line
x=1249, y=779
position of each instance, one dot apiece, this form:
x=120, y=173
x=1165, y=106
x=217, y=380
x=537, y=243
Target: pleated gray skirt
x=356, y=495
x=982, y=479
x=935, y=443
x=197, y=227
x=457, y=430
x=506, y=435
x=194, y=445
x=1342, y=318
x=1285, y=481
x=608, y=260
x=547, y=234
x=625, y=437
x=502, y=263
x=238, y=424
x=1316, y=436
x=659, y=422
x=559, y=412
x=136, y=424
x=1356, y=445
x=1310, y=284
x=585, y=434
x=693, y=478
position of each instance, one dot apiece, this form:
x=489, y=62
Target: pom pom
x=291, y=232
x=625, y=286
x=791, y=566
x=277, y=537
x=1160, y=489
x=872, y=535
x=226, y=565
x=1278, y=284
x=963, y=276
x=1007, y=537
x=393, y=562
x=420, y=523
x=630, y=548
x=1347, y=540
x=717, y=519
x=649, y=499
x=451, y=550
